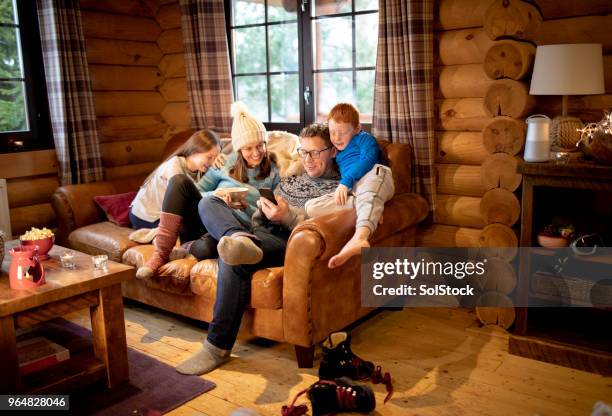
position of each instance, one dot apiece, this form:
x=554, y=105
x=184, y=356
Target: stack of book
x=37, y=353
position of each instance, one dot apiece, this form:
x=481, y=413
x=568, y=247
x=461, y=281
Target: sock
x=235, y=250
x=204, y=361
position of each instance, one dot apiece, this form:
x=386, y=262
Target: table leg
x=108, y=329
x=10, y=382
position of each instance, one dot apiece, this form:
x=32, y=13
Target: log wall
x=484, y=56
x=134, y=48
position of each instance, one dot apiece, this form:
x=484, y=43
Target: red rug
x=154, y=388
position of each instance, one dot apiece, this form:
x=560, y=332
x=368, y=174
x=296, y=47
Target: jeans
x=138, y=223
x=234, y=282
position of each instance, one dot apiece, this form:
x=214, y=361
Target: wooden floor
x=442, y=363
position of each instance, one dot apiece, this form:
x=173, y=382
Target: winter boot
x=331, y=397
x=338, y=360
x=165, y=240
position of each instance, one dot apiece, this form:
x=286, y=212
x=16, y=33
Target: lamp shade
x=571, y=69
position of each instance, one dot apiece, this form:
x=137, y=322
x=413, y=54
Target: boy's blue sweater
x=358, y=158
x=219, y=178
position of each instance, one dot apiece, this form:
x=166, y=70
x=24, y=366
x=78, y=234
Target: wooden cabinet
x=578, y=337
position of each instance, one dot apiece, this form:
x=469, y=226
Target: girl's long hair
x=239, y=170
x=200, y=142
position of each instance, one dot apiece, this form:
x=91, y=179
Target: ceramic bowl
x=552, y=242
x=44, y=246
x=237, y=193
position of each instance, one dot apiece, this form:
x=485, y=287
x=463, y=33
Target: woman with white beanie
x=248, y=166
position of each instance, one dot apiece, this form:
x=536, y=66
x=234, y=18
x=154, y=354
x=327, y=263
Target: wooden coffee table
x=66, y=291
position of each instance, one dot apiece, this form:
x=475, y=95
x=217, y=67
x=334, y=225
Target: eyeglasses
x=314, y=154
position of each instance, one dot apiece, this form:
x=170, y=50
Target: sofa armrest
x=310, y=288
x=74, y=205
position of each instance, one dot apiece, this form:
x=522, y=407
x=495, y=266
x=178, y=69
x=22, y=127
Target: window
x=24, y=120
x=292, y=60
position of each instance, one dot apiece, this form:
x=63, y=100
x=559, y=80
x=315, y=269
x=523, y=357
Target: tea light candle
x=67, y=260
x=100, y=261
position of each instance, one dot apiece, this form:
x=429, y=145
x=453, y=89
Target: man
x=250, y=247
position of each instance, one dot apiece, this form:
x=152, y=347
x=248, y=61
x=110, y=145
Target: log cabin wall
x=135, y=55
x=484, y=53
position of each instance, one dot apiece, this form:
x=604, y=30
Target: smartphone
x=268, y=194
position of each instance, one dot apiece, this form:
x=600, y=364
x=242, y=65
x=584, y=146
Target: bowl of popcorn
x=43, y=238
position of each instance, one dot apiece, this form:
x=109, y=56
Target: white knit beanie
x=246, y=129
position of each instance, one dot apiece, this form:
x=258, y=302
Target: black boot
x=339, y=361
x=331, y=397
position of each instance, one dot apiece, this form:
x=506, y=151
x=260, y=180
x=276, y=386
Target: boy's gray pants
x=368, y=197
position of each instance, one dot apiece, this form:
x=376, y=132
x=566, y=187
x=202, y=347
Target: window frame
x=38, y=136
x=306, y=71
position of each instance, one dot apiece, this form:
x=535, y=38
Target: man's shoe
x=338, y=360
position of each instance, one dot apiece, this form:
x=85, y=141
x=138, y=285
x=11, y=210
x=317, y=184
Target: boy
x=362, y=174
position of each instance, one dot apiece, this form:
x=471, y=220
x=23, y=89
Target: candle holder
x=67, y=260
x=100, y=262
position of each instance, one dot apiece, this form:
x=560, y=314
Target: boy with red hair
x=362, y=174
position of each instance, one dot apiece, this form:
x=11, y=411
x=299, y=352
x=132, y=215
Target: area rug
x=154, y=388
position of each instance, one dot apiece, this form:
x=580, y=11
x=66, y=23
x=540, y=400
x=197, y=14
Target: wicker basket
x=599, y=147
x=564, y=132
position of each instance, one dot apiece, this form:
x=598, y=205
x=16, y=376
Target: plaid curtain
x=71, y=105
x=404, y=98
x=207, y=63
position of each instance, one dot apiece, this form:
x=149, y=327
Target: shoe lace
x=346, y=398
x=378, y=377
x=293, y=410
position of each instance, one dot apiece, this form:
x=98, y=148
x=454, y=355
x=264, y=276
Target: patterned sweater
x=297, y=190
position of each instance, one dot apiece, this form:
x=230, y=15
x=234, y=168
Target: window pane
x=332, y=88
x=250, y=50
x=325, y=7
x=282, y=10
x=361, y=5
x=12, y=106
x=7, y=12
x=285, y=91
x=283, y=47
x=10, y=61
x=246, y=12
x=366, y=39
x=333, y=46
x=365, y=95
x=253, y=91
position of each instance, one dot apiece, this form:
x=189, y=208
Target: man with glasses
x=270, y=230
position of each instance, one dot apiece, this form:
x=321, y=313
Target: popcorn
x=37, y=234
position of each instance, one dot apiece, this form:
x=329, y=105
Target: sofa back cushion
x=399, y=158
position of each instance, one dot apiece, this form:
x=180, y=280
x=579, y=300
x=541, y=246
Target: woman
x=249, y=166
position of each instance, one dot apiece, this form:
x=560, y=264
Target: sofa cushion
x=116, y=207
x=266, y=284
x=172, y=277
x=102, y=238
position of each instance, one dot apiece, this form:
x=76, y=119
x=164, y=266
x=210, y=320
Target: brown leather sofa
x=300, y=303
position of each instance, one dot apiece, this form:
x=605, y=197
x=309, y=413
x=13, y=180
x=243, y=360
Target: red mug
x=26, y=269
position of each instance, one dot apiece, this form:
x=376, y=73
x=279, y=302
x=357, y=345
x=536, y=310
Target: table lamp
x=569, y=69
